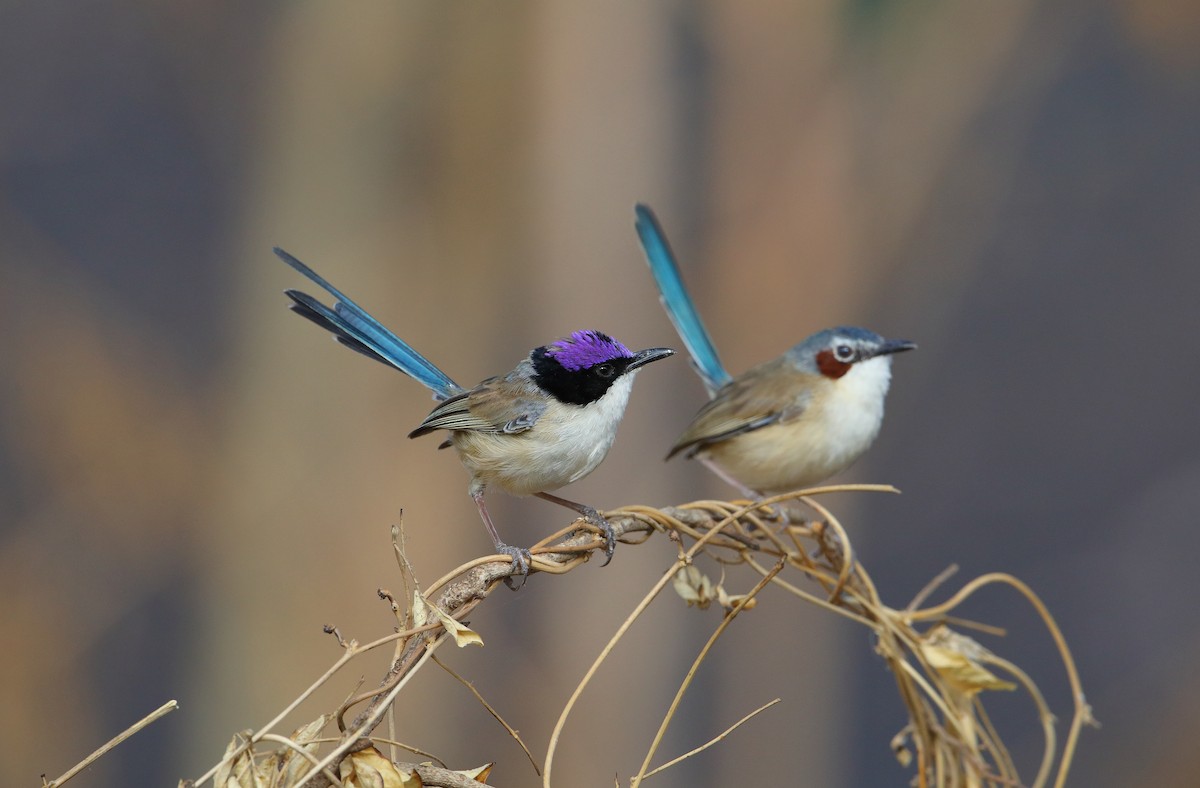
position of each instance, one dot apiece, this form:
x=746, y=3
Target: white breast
x=566, y=444
x=839, y=424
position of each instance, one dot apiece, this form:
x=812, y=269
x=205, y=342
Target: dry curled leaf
x=959, y=660
x=697, y=589
x=238, y=771
x=423, y=613
x=290, y=765
x=900, y=748
x=479, y=774
x=729, y=602
x=281, y=767
x=369, y=769
x=694, y=586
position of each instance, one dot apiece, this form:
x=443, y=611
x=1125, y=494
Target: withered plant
x=791, y=541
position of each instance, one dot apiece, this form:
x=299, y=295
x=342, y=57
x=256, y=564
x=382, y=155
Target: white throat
x=854, y=411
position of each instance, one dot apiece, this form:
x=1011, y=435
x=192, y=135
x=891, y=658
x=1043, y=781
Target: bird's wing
x=676, y=301
x=770, y=393
x=497, y=405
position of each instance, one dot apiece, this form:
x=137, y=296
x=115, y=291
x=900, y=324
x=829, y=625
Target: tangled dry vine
x=790, y=541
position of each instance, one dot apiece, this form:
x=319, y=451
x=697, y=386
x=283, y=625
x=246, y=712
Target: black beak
x=894, y=346
x=644, y=357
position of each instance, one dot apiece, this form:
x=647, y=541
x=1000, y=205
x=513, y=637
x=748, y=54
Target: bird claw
x=520, y=557
x=610, y=538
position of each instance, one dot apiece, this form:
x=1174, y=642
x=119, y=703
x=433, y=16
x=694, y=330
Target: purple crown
x=584, y=349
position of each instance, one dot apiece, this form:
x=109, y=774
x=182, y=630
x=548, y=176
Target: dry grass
x=790, y=541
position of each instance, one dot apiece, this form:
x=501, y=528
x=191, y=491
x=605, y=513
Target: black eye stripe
x=575, y=386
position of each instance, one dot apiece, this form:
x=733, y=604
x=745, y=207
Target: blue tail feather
x=310, y=308
x=677, y=302
x=356, y=329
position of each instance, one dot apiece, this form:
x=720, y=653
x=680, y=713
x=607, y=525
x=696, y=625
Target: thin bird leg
x=592, y=516
x=747, y=493
x=750, y=495
x=520, y=555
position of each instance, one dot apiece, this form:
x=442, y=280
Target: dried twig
x=691, y=674
x=492, y=711
x=720, y=737
x=941, y=674
x=161, y=711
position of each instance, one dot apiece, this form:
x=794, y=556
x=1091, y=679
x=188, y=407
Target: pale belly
x=566, y=444
x=523, y=464
x=787, y=456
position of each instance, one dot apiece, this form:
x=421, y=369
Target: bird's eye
x=844, y=353
x=605, y=370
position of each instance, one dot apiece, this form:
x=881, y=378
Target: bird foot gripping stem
x=520, y=557
x=606, y=530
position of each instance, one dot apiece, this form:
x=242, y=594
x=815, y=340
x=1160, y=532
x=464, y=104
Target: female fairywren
x=788, y=423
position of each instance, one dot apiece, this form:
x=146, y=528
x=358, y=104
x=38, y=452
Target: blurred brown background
x=193, y=481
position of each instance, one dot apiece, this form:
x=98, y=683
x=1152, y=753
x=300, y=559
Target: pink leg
x=750, y=495
x=519, y=555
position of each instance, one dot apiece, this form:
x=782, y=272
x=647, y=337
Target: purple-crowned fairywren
x=547, y=423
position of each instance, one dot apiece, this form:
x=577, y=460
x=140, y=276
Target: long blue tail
x=357, y=330
x=677, y=302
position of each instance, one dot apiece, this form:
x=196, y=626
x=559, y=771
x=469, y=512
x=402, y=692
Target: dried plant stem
x=807, y=597
x=347, y=655
x=691, y=674
x=720, y=737
x=390, y=743
x=349, y=741
x=948, y=733
x=847, y=557
x=433, y=777
x=654, y=591
x=1009, y=766
x=608, y=647
x=1047, y=718
x=351, y=649
x=490, y=710
x=1083, y=713
x=932, y=586
x=161, y=711
x=303, y=753
x=375, y=694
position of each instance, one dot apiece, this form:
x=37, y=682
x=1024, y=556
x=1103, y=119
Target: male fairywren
x=547, y=423
x=790, y=422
